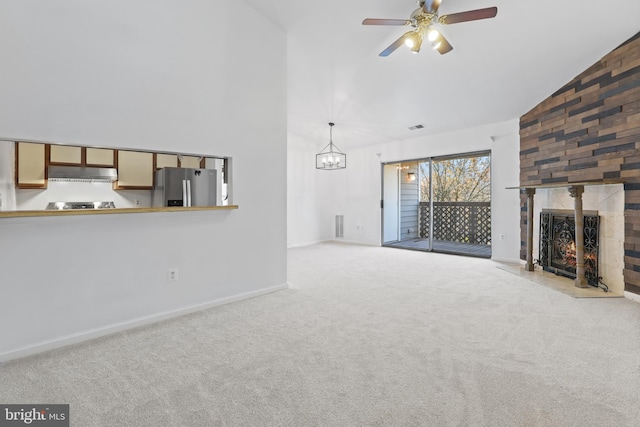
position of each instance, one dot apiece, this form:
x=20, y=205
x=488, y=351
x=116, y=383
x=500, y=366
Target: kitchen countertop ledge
x=22, y=214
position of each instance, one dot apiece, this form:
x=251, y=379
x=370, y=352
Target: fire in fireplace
x=557, y=251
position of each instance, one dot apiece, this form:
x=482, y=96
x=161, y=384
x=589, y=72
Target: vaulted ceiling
x=498, y=70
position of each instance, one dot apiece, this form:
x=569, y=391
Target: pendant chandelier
x=331, y=157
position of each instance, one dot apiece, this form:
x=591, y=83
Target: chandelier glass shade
x=331, y=158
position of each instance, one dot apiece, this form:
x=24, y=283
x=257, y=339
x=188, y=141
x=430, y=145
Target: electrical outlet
x=502, y=237
x=172, y=275
x=137, y=202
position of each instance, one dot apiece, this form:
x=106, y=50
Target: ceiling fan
x=425, y=21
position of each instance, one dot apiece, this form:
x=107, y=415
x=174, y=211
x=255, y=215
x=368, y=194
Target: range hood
x=82, y=174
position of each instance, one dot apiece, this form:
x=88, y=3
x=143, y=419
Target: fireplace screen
x=558, y=247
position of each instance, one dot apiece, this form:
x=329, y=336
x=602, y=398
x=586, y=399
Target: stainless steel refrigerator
x=185, y=187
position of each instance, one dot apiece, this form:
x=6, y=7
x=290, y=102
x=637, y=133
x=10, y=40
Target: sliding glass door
x=390, y=204
x=444, y=205
x=462, y=204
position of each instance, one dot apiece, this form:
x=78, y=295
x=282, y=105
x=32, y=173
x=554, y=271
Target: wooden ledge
x=23, y=214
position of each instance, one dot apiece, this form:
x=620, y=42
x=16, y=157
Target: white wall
x=505, y=204
x=356, y=191
x=173, y=76
x=7, y=184
x=309, y=202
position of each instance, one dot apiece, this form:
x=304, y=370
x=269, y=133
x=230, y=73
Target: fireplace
x=604, y=201
x=557, y=247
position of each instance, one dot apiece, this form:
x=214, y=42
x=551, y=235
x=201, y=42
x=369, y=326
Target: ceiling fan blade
x=431, y=6
x=444, y=46
x=470, y=15
x=374, y=21
x=396, y=44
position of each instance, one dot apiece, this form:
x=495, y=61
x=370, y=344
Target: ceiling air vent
x=416, y=127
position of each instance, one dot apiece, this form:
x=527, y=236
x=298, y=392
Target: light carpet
x=365, y=336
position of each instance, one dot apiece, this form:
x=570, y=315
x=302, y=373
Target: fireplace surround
x=605, y=201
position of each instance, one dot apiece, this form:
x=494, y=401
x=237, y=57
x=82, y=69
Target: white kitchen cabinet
x=166, y=161
x=135, y=170
x=190, y=162
x=99, y=157
x=65, y=155
x=31, y=165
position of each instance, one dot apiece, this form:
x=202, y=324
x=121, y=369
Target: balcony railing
x=465, y=222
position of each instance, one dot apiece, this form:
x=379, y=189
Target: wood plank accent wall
x=589, y=130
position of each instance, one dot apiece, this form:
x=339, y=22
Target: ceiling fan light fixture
x=408, y=40
x=433, y=34
x=426, y=21
x=418, y=43
x=413, y=40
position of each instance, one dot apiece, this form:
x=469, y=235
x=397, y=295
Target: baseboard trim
x=352, y=242
x=302, y=245
x=508, y=260
x=632, y=296
x=141, y=321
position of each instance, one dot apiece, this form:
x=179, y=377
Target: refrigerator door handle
x=188, y=192
x=184, y=192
